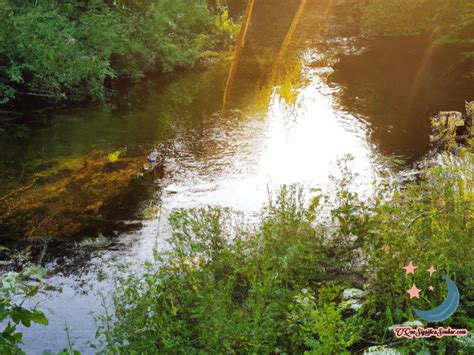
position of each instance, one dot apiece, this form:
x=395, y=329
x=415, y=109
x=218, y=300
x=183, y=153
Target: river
x=374, y=105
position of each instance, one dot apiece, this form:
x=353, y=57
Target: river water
x=373, y=105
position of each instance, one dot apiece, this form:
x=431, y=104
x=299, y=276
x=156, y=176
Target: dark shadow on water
x=396, y=86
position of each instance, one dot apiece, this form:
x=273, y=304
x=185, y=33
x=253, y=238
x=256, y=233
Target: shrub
x=70, y=51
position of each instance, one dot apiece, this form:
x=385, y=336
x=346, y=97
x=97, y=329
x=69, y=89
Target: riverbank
x=104, y=46
x=78, y=51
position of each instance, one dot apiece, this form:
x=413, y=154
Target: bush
x=70, y=51
x=432, y=223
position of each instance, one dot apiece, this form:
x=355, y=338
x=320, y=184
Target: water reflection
x=299, y=141
x=396, y=88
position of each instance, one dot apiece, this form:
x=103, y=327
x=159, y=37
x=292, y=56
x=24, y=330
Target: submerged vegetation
x=278, y=286
x=67, y=195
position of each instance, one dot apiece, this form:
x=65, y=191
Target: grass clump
x=277, y=287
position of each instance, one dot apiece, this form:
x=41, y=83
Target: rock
x=413, y=324
x=381, y=350
x=451, y=118
x=451, y=128
x=466, y=342
x=351, y=293
x=352, y=298
x=353, y=304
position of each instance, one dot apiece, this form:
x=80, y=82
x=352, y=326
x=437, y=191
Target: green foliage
x=70, y=51
x=50, y=59
x=322, y=325
x=450, y=21
x=223, y=288
x=431, y=223
x=14, y=290
x=227, y=286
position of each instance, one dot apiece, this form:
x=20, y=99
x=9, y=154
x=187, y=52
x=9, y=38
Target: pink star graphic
x=431, y=288
x=414, y=292
x=431, y=270
x=410, y=268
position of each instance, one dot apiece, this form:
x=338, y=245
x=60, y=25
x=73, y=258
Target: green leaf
x=39, y=317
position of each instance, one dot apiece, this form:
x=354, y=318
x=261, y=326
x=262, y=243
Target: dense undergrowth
x=278, y=286
x=61, y=50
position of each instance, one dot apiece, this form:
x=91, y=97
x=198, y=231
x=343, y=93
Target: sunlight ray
x=238, y=52
x=287, y=40
x=423, y=66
